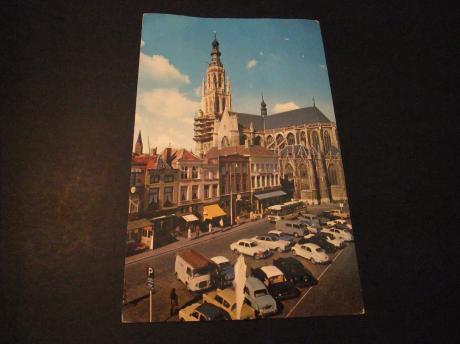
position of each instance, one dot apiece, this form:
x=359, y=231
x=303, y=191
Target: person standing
x=197, y=231
x=174, y=301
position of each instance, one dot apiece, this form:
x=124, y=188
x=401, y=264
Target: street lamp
x=231, y=195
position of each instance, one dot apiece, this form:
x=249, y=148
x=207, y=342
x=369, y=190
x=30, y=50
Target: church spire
x=139, y=147
x=263, y=107
x=215, y=53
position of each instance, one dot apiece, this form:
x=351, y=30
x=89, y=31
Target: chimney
x=167, y=154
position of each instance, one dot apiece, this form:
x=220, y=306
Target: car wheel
x=255, y=256
x=235, y=251
x=279, y=249
x=313, y=260
x=181, y=319
x=296, y=235
x=186, y=286
x=294, y=252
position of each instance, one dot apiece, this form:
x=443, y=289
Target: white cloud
x=322, y=66
x=142, y=43
x=159, y=69
x=251, y=64
x=281, y=107
x=261, y=53
x=167, y=103
x=286, y=38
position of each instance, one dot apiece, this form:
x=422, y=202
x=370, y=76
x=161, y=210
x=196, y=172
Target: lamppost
x=231, y=194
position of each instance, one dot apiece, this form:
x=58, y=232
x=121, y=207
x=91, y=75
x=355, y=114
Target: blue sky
x=283, y=58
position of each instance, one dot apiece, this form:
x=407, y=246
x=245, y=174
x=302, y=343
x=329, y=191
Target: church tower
x=139, y=147
x=215, y=99
x=263, y=107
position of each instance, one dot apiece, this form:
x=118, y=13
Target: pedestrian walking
x=174, y=301
x=210, y=227
x=221, y=223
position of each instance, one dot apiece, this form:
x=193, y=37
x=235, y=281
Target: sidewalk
x=183, y=242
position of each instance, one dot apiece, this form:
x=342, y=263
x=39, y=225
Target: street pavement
x=338, y=291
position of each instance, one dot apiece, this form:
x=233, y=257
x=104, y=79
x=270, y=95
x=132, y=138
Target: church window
x=243, y=139
x=279, y=141
x=289, y=173
x=194, y=173
x=327, y=142
x=269, y=141
x=257, y=141
x=184, y=172
x=315, y=139
x=332, y=174
x=183, y=193
x=303, y=139
x=225, y=142
x=291, y=139
x=303, y=171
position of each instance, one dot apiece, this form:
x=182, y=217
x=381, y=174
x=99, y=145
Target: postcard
x=238, y=207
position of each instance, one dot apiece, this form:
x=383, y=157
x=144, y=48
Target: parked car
x=292, y=227
x=280, y=235
x=327, y=215
x=134, y=247
x=320, y=241
x=203, y=312
x=340, y=214
x=309, y=218
x=259, y=298
x=346, y=227
x=223, y=273
x=193, y=269
x=275, y=281
x=312, y=252
x=295, y=272
x=272, y=243
x=226, y=300
x=250, y=248
x=340, y=233
x=332, y=239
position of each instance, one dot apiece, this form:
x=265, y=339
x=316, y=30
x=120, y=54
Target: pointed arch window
x=289, y=172
x=332, y=174
x=224, y=142
x=290, y=139
x=269, y=141
x=279, y=141
x=303, y=138
x=315, y=139
x=327, y=142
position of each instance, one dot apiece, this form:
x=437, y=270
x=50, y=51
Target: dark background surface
x=66, y=142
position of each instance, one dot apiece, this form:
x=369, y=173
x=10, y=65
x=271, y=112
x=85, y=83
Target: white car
x=332, y=239
x=280, y=235
x=312, y=252
x=251, y=248
x=272, y=243
x=338, y=221
x=340, y=233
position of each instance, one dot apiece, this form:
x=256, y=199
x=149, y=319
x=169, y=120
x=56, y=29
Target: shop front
x=163, y=229
x=139, y=236
x=214, y=215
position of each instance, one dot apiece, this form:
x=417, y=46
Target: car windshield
x=277, y=279
x=225, y=264
x=200, y=272
x=260, y=292
x=253, y=244
x=273, y=238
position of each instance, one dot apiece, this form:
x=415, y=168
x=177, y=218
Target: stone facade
x=317, y=174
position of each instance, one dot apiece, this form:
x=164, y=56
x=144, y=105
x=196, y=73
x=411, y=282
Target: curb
x=192, y=242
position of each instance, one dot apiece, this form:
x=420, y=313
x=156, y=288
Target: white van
x=292, y=227
x=193, y=269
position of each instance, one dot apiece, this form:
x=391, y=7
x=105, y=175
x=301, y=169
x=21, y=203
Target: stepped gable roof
x=300, y=116
x=183, y=155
